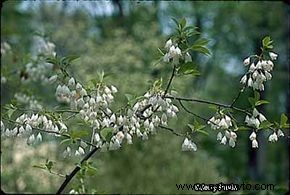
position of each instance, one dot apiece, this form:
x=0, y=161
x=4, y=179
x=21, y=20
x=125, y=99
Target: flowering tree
x=142, y=116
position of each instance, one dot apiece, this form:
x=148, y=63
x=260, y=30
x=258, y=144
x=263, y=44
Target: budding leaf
x=267, y=43
x=260, y=102
x=283, y=119
x=197, y=128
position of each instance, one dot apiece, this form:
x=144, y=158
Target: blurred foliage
x=126, y=48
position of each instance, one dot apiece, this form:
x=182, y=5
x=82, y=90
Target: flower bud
x=247, y=61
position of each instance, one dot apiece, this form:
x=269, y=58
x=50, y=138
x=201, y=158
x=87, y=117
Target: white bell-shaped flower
x=273, y=55
x=255, y=144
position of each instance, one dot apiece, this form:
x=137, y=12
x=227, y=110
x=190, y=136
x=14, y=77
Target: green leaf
x=78, y=134
x=252, y=101
x=202, y=131
x=256, y=96
x=66, y=61
x=51, y=60
x=183, y=22
x=91, y=169
x=243, y=128
x=201, y=41
x=129, y=97
x=64, y=141
x=188, y=68
x=101, y=75
x=106, y=133
x=191, y=127
x=285, y=126
x=265, y=125
x=200, y=49
x=213, y=107
x=158, y=83
x=175, y=21
x=261, y=102
x=10, y=112
x=160, y=51
x=283, y=119
x=197, y=128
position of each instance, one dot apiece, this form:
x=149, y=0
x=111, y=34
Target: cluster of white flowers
x=25, y=124
x=157, y=113
x=258, y=73
x=39, y=69
x=94, y=109
x=174, y=53
x=77, y=152
x=72, y=191
x=41, y=46
x=253, y=138
x=256, y=119
x=30, y=101
x=229, y=135
x=188, y=145
x=275, y=135
x=220, y=121
x=5, y=48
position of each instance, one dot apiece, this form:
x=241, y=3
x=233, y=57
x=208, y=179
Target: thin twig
x=194, y=114
x=237, y=97
x=171, y=130
x=208, y=102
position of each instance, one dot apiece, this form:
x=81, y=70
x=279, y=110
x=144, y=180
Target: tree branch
x=76, y=170
x=52, y=132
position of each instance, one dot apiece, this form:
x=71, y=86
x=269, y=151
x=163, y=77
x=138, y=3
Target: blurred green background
x=121, y=38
